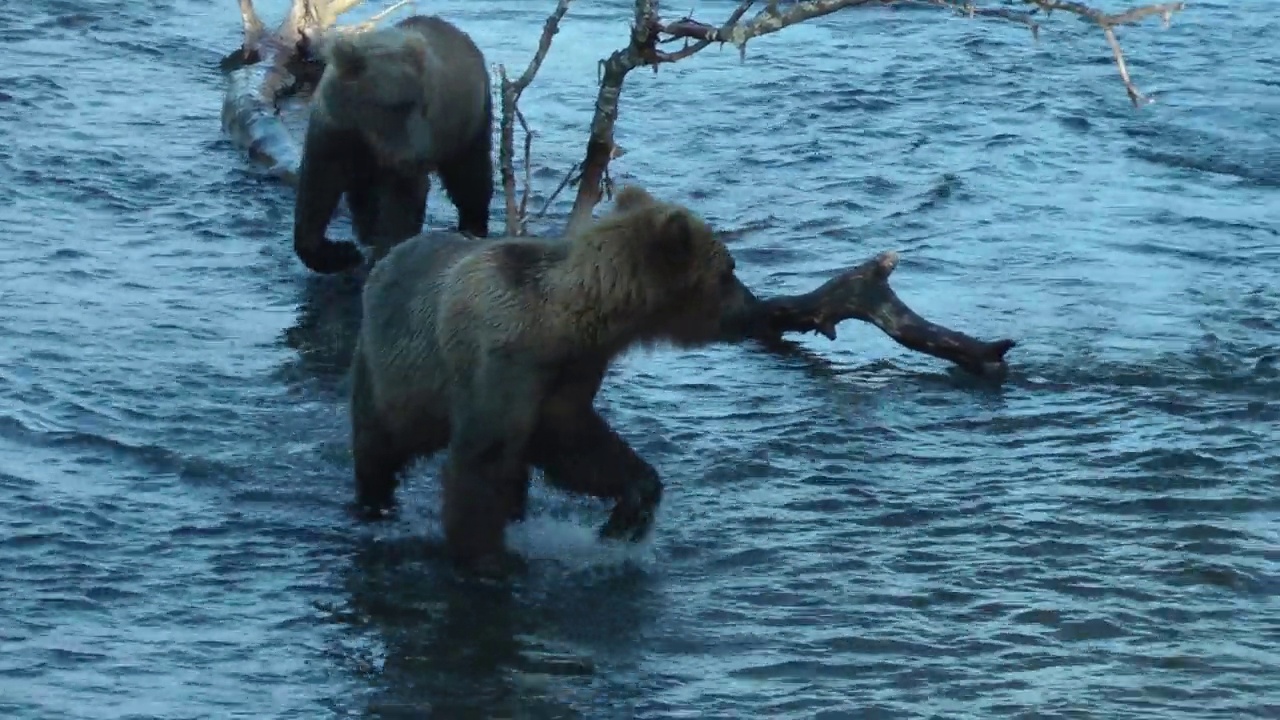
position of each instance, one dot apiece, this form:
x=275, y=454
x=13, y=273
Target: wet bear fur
x=392, y=106
x=496, y=349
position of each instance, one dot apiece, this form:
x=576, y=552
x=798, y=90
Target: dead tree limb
x=648, y=31
x=510, y=92
x=1109, y=23
x=249, y=110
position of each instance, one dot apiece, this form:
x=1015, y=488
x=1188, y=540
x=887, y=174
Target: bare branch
x=528, y=173
x=379, y=17
x=648, y=31
x=969, y=10
x=549, y=30
x=688, y=50
x=506, y=149
x=571, y=177
x=772, y=19
x=253, y=27
x=1109, y=23
x=516, y=220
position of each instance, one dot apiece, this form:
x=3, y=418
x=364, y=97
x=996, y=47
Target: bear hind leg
x=475, y=514
x=379, y=460
x=379, y=455
x=486, y=474
x=468, y=181
x=390, y=210
x=578, y=452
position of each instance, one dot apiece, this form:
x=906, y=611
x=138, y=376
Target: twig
x=313, y=38
x=691, y=49
x=338, y=7
x=1109, y=23
x=549, y=30
x=528, y=173
x=969, y=10
x=771, y=19
x=571, y=177
x=516, y=220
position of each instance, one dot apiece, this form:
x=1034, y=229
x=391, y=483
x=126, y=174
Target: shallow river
x=851, y=530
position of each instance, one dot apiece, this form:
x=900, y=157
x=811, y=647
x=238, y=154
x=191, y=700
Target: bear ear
x=630, y=197
x=415, y=50
x=673, y=242
x=344, y=57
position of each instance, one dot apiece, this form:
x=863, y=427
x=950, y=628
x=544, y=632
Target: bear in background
x=496, y=349
x=392, y=106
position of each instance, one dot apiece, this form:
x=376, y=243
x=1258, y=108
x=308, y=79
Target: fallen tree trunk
x=272, y=65
x=258, y=74
x=253, y=126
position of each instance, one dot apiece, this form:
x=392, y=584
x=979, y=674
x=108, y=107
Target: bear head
x=376, y=82
x=668, y=260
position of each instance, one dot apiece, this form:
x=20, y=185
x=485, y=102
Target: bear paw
x=331, y=257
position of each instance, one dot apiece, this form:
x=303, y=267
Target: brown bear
x=392, y=106
x=496, y=349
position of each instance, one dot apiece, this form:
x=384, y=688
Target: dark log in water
x=863, y=293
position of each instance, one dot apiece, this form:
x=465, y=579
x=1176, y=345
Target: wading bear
x=495, y=349
x=392, y=106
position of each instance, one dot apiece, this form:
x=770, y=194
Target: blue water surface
x=850, y=530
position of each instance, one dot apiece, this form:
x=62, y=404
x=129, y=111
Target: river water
x=851, y=530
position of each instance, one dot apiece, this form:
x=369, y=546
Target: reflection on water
x=515, y=647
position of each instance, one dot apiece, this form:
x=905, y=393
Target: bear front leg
x=468, y=181
x=391, y=210
x=517, y=496
x=474, y=514
x=579, y=452
x=378, y=464
x=322, y=178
